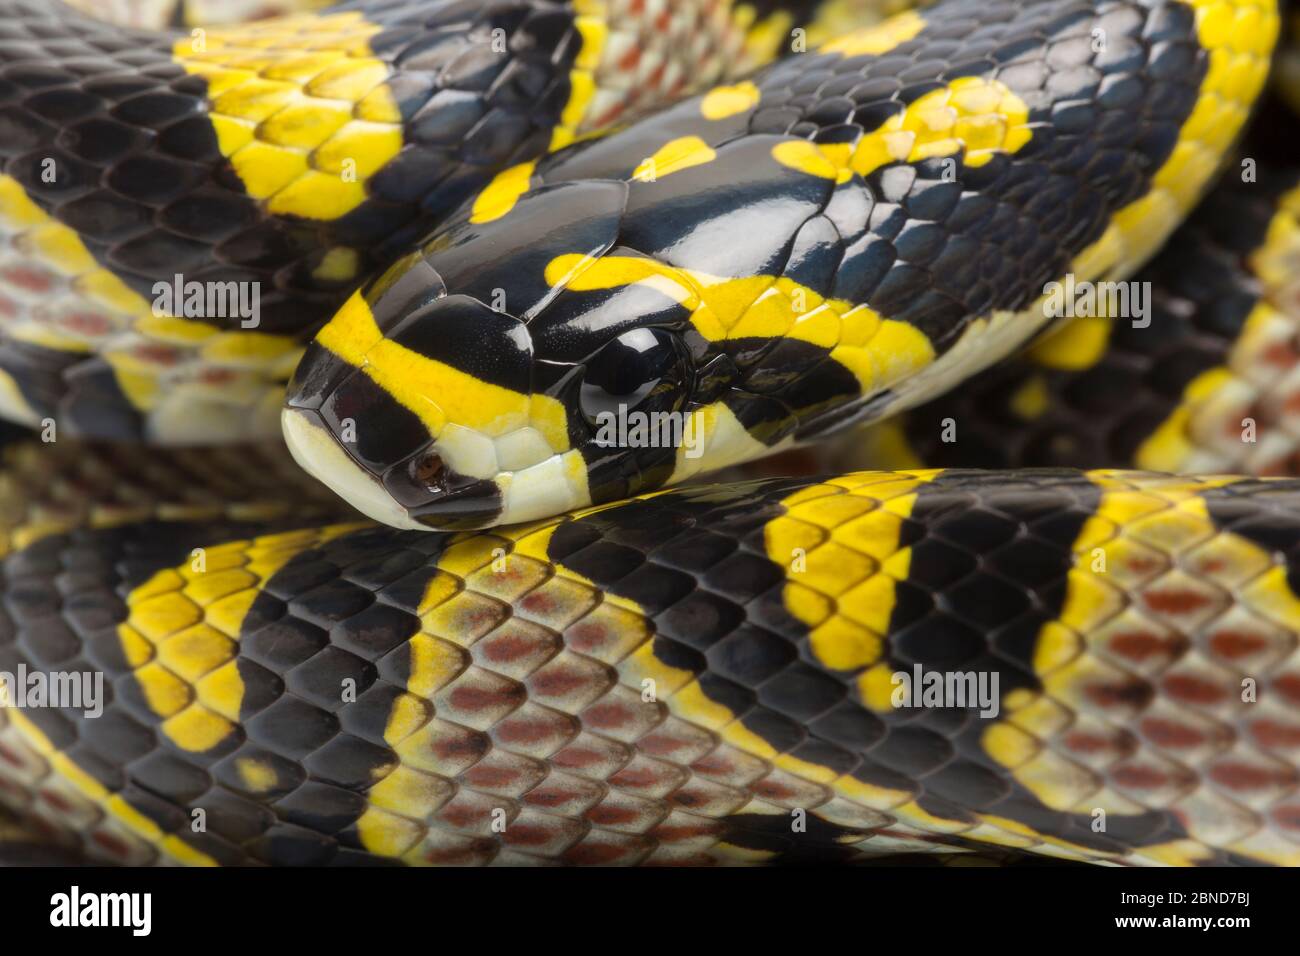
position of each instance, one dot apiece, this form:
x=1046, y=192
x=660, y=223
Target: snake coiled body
x=677, y=679
x=552, y=655
x=1209, y=384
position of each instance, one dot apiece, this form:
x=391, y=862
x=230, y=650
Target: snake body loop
x=852, y=231
x=554, y=656
x=1207, y=383
x=674, y=679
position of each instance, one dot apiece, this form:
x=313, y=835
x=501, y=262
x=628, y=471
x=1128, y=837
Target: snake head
x=510, y=397
x=560, y=352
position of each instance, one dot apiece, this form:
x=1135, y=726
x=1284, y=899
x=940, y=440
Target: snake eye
x=427, y=473
x=641, y=369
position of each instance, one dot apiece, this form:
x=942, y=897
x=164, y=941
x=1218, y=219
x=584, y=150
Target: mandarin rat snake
x=546, y=656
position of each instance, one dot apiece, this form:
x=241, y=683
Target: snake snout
x=413, y=405
x=421, y=492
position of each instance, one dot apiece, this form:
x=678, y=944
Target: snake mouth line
x=449, y=501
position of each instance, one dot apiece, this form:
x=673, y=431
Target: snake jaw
x=409, y=496
x=417, y=496
x=315, y=450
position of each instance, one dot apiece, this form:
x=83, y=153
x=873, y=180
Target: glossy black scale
x=631, y=373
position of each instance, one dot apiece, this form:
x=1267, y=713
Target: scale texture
x=698, y=676
x=1212, y=383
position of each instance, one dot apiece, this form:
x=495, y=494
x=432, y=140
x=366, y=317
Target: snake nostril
x=427, y=471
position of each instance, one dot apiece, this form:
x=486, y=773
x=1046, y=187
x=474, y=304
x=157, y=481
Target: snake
x=292, y=157
x=466, y=386
x=697, y=677
x=508, y=641
x=1214, y=389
